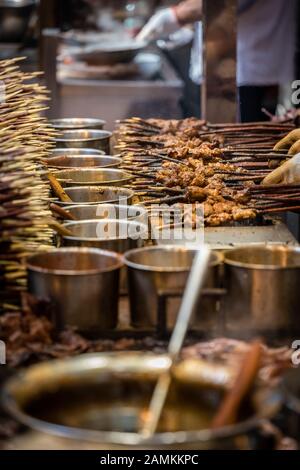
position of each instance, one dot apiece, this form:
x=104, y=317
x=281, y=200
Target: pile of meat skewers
x=191, y=161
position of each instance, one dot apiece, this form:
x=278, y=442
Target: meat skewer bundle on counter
x=193, y=161
x=25, y=137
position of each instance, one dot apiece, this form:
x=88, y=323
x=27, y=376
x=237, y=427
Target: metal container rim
x=127, y=194
x=118, y=206
x=123, y=438
x=102, y=136
x=61, y=272
x=66, y=123
x=142, y=267
x=66, y=151
x=144, y=229
x=262, y=267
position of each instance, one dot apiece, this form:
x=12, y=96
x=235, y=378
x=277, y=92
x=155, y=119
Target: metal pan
x=65, y=124
x=107, y=234
x=90, y=177
x=94, y=195
x=87, y=161
x=109, y=211
x=109, y=54
x=71, y=152
x=84, y=138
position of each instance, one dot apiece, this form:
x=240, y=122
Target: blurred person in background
x=265, y=50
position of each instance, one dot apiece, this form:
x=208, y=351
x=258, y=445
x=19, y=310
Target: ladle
x=194, y=285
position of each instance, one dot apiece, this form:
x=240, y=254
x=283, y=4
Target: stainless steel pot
x=65, y=124
x=81, y=284
x=91, y=176
x=113, y=235
x=263, y=295
x=157, y=271
x=109, y=211
x=71, y=152
x=15, y=16
x=87, y=161
x=100, y=400
x=95, y=195
x=84, y=138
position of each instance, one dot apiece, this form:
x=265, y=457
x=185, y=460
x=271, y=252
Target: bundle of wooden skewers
x=25, y=138
x=169, y=157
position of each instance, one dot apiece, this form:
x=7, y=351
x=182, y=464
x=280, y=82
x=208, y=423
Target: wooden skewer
x=61, y=212
x=280, y=209
x=228, y=411
x=58, y=189
x=60, y=229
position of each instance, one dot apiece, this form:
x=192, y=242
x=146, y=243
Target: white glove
x=163, y=23
x=288, y=173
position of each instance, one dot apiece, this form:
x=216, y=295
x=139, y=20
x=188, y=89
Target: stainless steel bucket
x=155, y=272
x=99, y=400
x=114, y=235
x=95, y=195
x=91, y=176
x=65, y=124
x=81, y=284
x=86, y=161
x=84, y=138
x=109, y=211
x=263, y=294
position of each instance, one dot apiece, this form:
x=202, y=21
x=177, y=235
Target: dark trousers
x=253, y=99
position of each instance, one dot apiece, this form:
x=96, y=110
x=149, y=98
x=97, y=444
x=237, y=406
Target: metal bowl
x=109, y=211
x=156, y=271
x=70, y=152
x=94, y=195
x=109, y=54
x=14, y=19
x=72, y=278
x=87, y=161
x=90, y=177
x=107, y=234
x=84, y=138
x=65, y=124
x=101, y=399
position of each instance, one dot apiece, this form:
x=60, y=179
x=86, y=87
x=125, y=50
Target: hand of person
x=291, y=143
x=162, y=23
x=288, y=173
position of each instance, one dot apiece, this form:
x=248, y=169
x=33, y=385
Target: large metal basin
x=101, y=399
